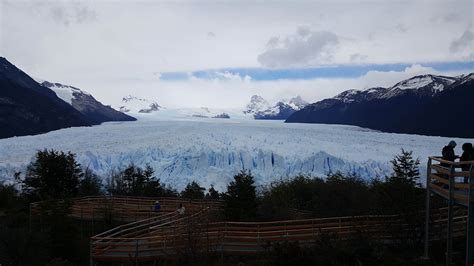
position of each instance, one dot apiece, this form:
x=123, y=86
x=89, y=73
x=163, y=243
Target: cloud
x=401, y=27
x=61, y=12
x=101, y=43
x=304, y=48
x=463, y=43
x=157, y=75
x=210, y=35
x=227, y=89
x=389, y=78
x=358, y=58
x=226, y=75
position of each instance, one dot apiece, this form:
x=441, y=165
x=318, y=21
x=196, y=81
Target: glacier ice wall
x=211, y=151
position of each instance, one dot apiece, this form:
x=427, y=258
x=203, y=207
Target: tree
x=405, y=168
x=8, y=196
x=90, y=184
x=131, y=181
x=135, y=181
x=193, y=191
x=212, y=193
x=52, y=175
x=241, y=197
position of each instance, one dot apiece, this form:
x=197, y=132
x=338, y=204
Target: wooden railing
x=149, y=239
x=154, y=235
x=171, y=234
x=448, y=180
x=126, y=209
x=454, y=181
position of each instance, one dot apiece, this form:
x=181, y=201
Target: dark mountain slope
x=428, y=105
x=28, y=108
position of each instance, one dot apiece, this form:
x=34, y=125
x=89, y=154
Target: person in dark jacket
x=448, y=153
x=157, y=206
x=467, y=155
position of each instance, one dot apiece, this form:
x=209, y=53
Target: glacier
x=211, y=151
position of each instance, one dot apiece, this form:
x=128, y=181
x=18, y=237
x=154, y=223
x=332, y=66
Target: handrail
x=127, y=208
x=96, y=237
x=165, y=235
x=441, y=160
x=228, y=237
x=444, y=179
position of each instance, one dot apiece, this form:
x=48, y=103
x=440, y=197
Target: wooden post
x=258, y=235
x=136, y=252
x=470, y=221
x=91, y=259
x=82, y=229
x=427, y=221
x=449, y=245
x=29, y=219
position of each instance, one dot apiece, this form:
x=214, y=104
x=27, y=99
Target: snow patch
x=64, y=92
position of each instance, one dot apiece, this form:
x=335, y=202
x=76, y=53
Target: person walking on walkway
x=157, y=206
x=181, y=210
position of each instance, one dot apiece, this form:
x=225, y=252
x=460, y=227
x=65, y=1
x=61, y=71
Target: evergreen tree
x=135, y=181
x=241, y=197
x=52, y=175
x=212, y=193
x=405, y=168
x=90, y=184
x=193, y=191
x=8, y=196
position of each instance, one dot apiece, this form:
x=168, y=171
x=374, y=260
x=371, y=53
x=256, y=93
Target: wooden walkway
x=147, y=235
x=171, y=234
x=124, y=209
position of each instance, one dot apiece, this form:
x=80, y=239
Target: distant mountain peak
x=257, y=104
x=133, y=104
x=261, y=109
x=297, y=102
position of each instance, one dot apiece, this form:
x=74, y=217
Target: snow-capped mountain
x=257, y=105
x=132, y=104
x=259, y=108
x=27, y=108
x=297, y=103
x=85, y=103
x=428, y=85
x=419, y=105
x=424, y=85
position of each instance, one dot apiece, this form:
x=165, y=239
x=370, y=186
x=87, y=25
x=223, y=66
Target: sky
x=220, y=53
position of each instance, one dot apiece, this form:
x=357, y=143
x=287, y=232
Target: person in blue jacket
x=157, y=206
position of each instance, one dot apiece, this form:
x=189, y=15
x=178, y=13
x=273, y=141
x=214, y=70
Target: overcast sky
x=219, y=53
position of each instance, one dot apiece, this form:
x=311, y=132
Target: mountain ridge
x=85, y=103
x=259, y=108
x=409, y=107
x=27, y=108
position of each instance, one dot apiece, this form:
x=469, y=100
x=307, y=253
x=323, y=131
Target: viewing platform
x=448, y=180
x=453, y=181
